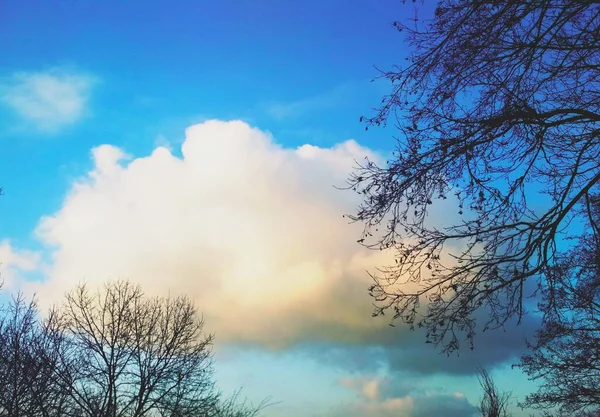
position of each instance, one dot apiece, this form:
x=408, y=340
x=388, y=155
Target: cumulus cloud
x=251, y=230
x=47, y=100
x=381, y=397
x=254, y=233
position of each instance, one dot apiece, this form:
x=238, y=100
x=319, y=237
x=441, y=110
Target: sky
x=194, y=147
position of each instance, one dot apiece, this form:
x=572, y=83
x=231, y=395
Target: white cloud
x=254, y=233
x=14, y=263
x=251, y=230
x=48, y=100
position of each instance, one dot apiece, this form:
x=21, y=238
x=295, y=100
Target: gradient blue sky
x=75, y=75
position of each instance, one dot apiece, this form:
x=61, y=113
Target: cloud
x=455, y=405
x=254, y=233
x=392, y=407
x=370, y=388
x=251, y=230
x=402, y=350
x=380, y=397
x=15, y=263
x=48, y=100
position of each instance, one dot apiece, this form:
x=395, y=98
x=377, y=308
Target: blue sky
x=104, y=176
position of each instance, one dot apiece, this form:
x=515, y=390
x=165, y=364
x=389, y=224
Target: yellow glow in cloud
x=252, y=231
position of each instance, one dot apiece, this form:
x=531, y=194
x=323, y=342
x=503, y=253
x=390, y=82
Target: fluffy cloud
x=251, y=230
x=254, y=233
x=380, y=397
x=48, y=100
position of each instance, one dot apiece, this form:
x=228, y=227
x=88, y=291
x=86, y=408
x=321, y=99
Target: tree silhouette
x=494, y=403
x=565, y=356
x=110, y=353
x=498, y=110
x=29, y=358
x=130, y=355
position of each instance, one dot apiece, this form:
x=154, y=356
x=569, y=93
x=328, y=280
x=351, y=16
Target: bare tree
x=110, y=353
x=133, y=356
x=493, y=403
x=565, y=356
x=497, y=106
x=16, y=362
x=233, y=407
x=28, y=363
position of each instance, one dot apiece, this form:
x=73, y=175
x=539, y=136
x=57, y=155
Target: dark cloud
x=492, y=348
x=443, y=405
x=403, y=350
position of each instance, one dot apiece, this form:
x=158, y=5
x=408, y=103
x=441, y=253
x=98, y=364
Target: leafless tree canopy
x=494, y=403
x=498, y=109
x=130, y=355
x=110, y=353
x=565, y=357
x=28, y=363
